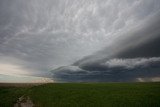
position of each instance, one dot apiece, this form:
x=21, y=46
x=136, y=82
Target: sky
x=79, y=40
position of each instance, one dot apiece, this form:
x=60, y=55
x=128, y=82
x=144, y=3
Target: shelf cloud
x=113, y=70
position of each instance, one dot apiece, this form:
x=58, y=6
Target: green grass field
x=85, y=95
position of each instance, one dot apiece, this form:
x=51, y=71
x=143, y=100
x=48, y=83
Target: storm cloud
x=37, y=36
x=133, y=57
x=113, y=70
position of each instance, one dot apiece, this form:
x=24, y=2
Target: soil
x=24, y=102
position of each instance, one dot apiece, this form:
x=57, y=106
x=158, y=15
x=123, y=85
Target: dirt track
x=24, y=102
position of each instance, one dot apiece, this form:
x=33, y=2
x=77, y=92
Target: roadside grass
x=9, y=95
x=86, y=95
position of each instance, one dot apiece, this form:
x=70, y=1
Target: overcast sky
x=86, y=36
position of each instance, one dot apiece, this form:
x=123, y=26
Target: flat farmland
x=83, y=94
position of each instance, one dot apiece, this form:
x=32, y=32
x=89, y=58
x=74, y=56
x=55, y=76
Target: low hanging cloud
x=24, y=79
x=113, y=70
x=132, y=63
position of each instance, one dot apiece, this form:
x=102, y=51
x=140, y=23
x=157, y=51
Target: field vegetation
x=85, y=95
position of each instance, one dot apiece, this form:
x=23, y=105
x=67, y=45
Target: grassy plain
x=85, y=95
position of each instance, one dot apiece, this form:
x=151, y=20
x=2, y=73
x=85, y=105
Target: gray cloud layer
x=40, y=35
x=132, y=57
x=113, y=70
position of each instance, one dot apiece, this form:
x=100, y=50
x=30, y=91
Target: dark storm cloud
x=114, y=70
x=144, y=43
x=39, y=35
x=149, y=49
x=134, y=58
x=139, y=42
